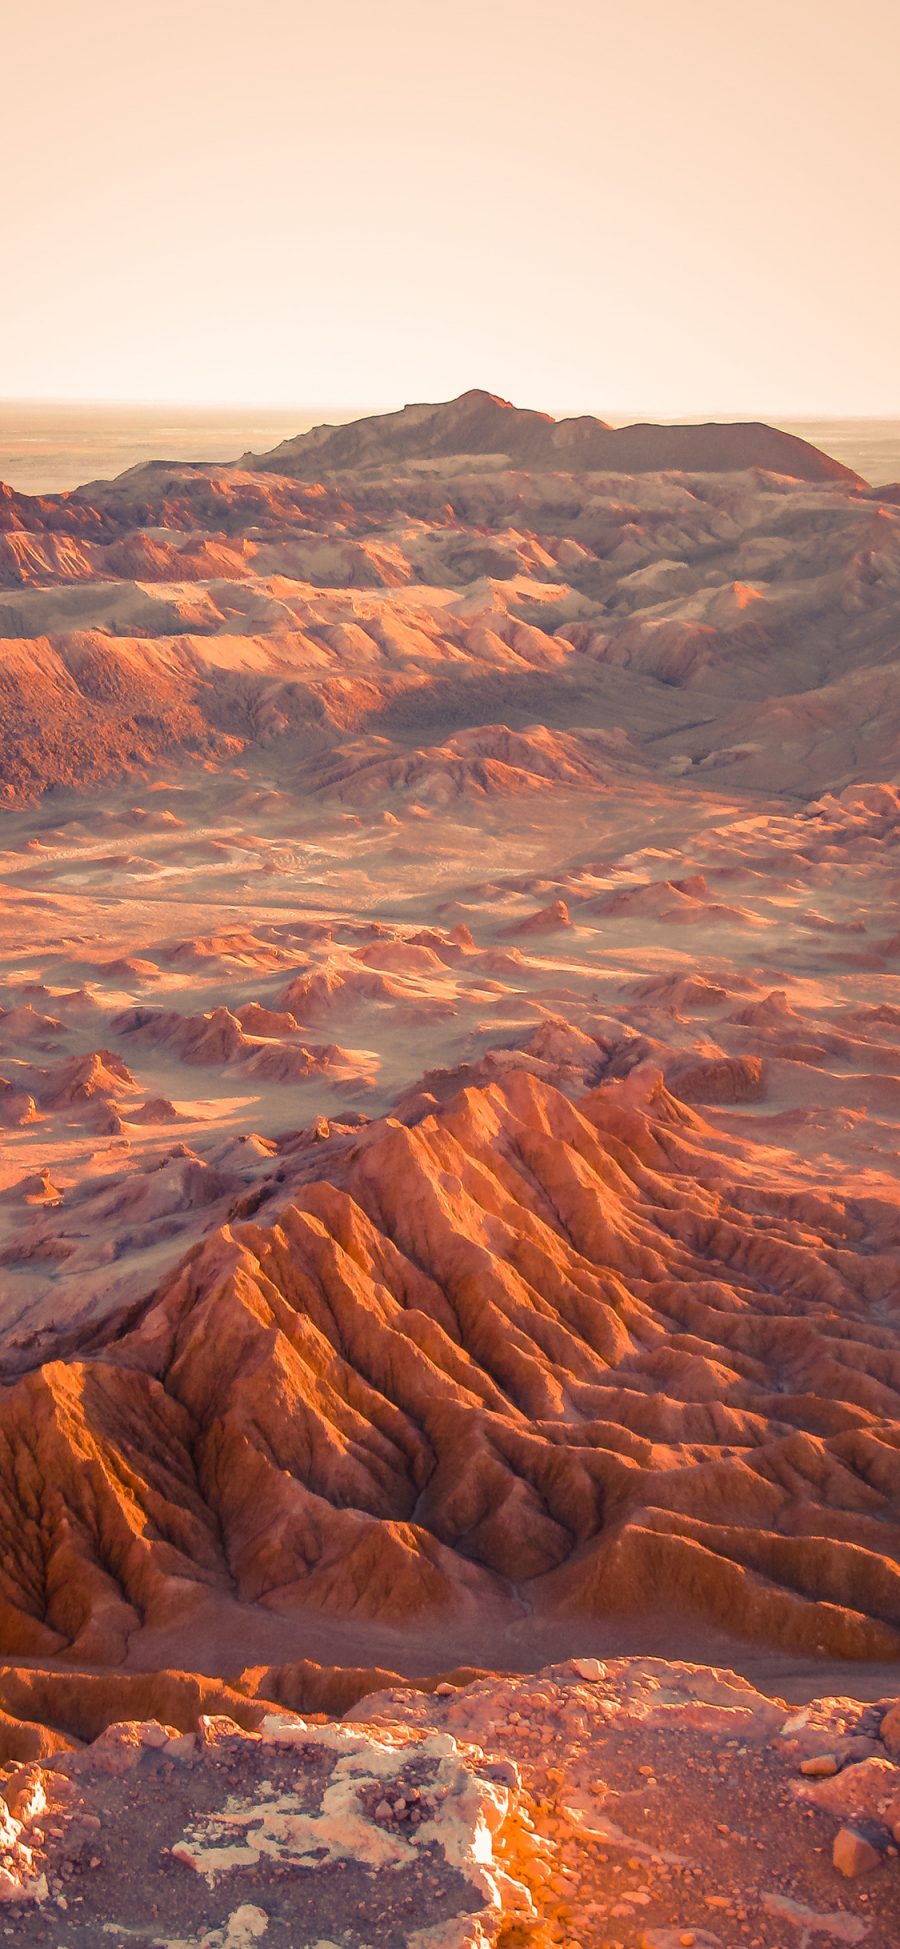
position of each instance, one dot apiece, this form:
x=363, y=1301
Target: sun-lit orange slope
x=526, y=1353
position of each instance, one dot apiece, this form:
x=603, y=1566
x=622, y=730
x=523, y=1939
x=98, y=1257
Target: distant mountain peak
x=481, y=424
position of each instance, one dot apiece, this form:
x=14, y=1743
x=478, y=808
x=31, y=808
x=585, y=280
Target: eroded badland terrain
x=449, y=1076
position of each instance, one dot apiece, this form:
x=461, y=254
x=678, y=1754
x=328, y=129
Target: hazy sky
x=661, y=205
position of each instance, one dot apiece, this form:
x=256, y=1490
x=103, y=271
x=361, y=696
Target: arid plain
x=449, y=1083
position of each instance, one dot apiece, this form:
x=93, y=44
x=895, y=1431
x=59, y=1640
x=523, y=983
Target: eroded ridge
x=523, y=1355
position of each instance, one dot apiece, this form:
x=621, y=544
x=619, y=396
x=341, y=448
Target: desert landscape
x=449, y=1231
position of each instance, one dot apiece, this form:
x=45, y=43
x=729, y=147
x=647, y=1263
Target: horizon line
x=201, y=407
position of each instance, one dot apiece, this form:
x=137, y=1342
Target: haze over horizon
x=329, y=412
x=679, y=215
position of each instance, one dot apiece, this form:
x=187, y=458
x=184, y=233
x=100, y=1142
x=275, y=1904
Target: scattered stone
x=852, y=1854
x=889, y=1730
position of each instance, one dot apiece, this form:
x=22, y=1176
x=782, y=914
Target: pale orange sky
x=678, y=206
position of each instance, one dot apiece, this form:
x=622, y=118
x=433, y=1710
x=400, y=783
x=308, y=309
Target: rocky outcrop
x=632, y=1801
